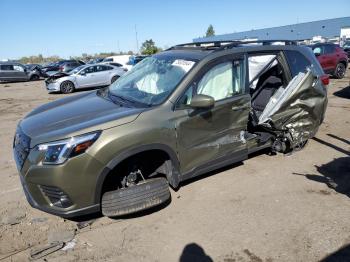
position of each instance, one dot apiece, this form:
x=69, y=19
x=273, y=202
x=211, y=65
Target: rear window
x=297, y=62
x=329, y=49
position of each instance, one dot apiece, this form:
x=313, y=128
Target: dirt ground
x=269, y=208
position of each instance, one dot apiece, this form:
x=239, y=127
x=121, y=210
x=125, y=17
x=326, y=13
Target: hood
x=55, y=76
x=75, y=115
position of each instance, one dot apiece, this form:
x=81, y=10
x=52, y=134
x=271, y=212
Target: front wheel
x=144, y=195
x=340, y=71
x=67, y=87
x=34, y=78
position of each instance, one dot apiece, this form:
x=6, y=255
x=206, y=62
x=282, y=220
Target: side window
x=117, y=64
x=101, y=68
x=223, y=80
x=319, y=50
x=186, y=98
x=108, y=68
x=297, y=62
x=7, y=67
x=89, y=70
x=18, y=68
x=329, y=49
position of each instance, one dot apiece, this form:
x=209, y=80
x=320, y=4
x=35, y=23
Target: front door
x=212, y=136
x=86, y=78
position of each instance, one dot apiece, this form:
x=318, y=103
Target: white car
x=120, y=59
x=85, y=76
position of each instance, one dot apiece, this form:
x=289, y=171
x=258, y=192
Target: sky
x=72, y=27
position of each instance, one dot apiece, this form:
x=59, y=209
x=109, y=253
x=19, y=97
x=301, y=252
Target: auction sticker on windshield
x=184, y=64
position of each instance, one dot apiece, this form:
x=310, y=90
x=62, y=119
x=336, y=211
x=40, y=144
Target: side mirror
x=82, y=73
x=202, y=102
x=317, y=54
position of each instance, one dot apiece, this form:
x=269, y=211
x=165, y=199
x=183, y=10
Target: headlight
x=59, y=151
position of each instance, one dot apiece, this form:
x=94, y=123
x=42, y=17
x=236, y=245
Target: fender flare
x=173, y=177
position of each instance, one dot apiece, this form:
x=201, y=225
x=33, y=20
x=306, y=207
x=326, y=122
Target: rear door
x=211, y=137
x=103, y=75
x=299, y=107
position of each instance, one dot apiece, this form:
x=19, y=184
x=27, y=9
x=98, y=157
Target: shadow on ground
x=336, y=173
x=341, y=255
x=194, y=253
x=343, y=93
x=165, y=204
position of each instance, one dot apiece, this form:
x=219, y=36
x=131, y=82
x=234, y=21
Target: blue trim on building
x=328, y=28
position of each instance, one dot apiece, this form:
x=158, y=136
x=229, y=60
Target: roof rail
x=226, y=44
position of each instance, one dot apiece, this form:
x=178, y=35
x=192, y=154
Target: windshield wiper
x=126, y=100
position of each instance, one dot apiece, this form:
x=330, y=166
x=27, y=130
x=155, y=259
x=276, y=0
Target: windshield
x=77, y=69
x=152, y=80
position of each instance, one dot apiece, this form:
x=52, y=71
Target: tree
x=149, y=47
x=210, y=31
x=130, y=52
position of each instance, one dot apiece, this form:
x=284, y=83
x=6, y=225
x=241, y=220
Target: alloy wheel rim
x=341, y=71
x=67, y=87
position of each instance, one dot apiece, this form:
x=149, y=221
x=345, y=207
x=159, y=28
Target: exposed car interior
x=266, y=76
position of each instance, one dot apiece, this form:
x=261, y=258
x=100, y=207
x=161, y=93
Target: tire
x=136, y=198
x=114, y=78
x=34, y=78
x=67, y=87
x=340, y=71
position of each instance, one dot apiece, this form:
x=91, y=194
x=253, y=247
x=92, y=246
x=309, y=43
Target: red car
x=333, y=59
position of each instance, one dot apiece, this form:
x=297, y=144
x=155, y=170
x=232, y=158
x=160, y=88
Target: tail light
x=325, y=79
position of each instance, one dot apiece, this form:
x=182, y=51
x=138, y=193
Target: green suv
x=177, y=114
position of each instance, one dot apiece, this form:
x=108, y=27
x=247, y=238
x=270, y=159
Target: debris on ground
x=69, y=245
x=13, y=218
x=60, y=236
x=82, y=224
x=45, y=250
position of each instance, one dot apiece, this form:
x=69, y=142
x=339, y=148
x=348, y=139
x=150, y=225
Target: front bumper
x=52, y=87
x=62, y=213
x=77, y=178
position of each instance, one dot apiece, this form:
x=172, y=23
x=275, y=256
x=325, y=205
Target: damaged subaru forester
x=178, y=114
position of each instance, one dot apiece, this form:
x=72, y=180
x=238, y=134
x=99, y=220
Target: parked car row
x=61, y=66
x=84, y=76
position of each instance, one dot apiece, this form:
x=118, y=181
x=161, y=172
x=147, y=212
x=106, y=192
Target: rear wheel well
x=342, y=62
x=154, y=163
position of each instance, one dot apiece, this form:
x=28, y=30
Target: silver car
x=85, y=76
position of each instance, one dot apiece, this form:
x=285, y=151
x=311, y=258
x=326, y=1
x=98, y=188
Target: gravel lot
x=269, y=208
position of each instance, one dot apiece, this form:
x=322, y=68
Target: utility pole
x=137, y=41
